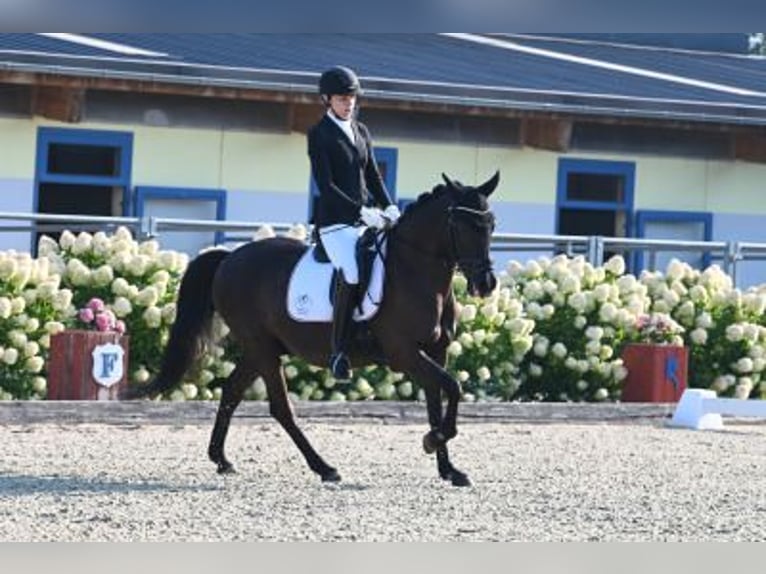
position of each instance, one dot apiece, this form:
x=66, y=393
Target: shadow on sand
x=21, y=485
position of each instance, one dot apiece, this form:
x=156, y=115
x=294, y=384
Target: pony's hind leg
x=281, y=410
x=232, y=392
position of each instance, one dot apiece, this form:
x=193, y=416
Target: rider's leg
x=345, y=299
x=340, y=244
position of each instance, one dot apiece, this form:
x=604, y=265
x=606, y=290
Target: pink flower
x=119, y=326
x=96, y=305
x=105, y=321
x=86, y=315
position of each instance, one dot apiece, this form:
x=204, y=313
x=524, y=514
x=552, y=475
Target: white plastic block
x=692, y=412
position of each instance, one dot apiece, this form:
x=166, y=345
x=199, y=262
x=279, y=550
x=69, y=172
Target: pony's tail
x=194, y=314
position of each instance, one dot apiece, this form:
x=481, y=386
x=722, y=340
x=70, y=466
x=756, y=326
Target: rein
x=468, y=265
x=433, y=256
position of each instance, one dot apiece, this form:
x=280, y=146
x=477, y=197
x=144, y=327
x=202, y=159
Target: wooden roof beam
x=749, y=146
x=547, y=134
x=58, y=103
x=302, y=116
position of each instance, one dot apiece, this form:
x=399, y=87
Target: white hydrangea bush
x=33, y=306
x=553, y=330
x=309, y=382
x=492, y=339
x=725, y=327
x=582, y=315
x=139, y=283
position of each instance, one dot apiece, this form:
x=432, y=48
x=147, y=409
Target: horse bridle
x=484, y=219
x=467, y=265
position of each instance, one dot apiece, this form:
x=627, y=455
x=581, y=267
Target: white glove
x=372, y=217
x=392, y=213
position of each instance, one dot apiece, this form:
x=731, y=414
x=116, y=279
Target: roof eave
x=298, y=86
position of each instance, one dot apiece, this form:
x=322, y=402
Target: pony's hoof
x=226, y=468
x=331, y=476
x=432, y=440
x=460, y=479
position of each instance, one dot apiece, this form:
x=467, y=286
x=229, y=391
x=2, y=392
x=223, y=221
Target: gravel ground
x=553, y=481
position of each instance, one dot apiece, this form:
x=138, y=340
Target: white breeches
x=340, y=244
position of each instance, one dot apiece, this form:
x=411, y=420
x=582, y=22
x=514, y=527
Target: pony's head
x=470, y=224
x=454, y=222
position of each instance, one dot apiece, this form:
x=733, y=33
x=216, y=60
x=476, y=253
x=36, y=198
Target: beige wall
x=524, y=175
x=527, y=176
x=736, y=187
x=670, y=184
x=729, y=187
x=278, y=162
x=17, y=148
x=176, y=157
x=265, y=161
x=220, y=159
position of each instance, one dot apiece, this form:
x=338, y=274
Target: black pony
x=447, y=228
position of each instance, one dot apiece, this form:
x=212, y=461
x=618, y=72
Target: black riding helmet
x=339, y=80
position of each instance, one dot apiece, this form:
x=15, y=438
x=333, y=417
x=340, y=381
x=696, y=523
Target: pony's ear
x=489, y=186
x=453, y=185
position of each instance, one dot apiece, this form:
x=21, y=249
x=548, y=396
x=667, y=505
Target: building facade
x=591, y=137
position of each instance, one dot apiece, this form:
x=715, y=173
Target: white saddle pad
x=308, y=294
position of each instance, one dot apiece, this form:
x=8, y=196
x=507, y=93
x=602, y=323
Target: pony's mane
x=438, y=191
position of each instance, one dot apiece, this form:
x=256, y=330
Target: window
x=594, y=198
x=183, y=203
x=595, y=187
x=82, y=172
x=673, y=225
x=78, y=159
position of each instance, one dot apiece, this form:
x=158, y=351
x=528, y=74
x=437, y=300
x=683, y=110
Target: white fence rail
x=727, y=253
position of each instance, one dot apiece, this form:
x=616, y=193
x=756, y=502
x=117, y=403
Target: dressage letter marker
x=87, y=365
x=701, y=410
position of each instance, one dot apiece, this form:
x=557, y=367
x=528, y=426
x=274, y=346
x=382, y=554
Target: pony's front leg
x=435, y=381
x=431, y=371
x=446, y=470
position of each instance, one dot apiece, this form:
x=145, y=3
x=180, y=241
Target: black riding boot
x=342, y=323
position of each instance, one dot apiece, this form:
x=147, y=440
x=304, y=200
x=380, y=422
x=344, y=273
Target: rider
x=345, y=171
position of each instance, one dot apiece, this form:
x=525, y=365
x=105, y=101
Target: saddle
x=309, y=290
x=366, y=250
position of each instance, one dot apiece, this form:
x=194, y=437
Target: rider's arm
x=372, y=176
x=321, y=168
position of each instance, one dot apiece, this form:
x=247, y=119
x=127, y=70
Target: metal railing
x=594, y=248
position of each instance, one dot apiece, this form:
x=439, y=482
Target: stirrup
x=340, y=367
